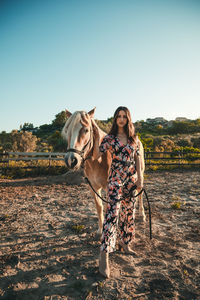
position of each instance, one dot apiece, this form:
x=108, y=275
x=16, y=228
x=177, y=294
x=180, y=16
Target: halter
x=81, y=153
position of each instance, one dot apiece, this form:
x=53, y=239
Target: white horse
x=79, y=136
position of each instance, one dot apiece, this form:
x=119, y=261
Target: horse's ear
x=91, y=112
x=68, y=114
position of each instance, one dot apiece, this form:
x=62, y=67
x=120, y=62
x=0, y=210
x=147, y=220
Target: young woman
x=122, y=143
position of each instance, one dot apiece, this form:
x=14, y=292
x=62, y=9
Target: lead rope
x=149, y=207
x=131, y=190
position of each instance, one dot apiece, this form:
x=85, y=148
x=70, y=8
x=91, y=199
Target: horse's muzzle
x=71, y=161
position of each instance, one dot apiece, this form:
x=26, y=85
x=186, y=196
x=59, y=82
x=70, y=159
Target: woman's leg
x=127, y=217
x=109, y=232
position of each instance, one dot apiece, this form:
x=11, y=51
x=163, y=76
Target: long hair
x=128, y=128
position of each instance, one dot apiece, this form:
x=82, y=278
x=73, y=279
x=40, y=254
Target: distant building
x=158, y=120
x=181, y=119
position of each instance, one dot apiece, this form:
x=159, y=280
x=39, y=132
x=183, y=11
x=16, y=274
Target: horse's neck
x=102, y=134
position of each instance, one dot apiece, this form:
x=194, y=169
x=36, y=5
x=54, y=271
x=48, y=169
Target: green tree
x=27, y=127
x=7, y=147
x=196, y=142
x=59, y=120
x=5, y=141
x=44, y=131
x=4, y=137
x=184, y=142
x=184, y=127
x=57, y=142
x=104, y=125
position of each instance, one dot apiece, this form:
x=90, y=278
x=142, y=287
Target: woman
x=122, y=144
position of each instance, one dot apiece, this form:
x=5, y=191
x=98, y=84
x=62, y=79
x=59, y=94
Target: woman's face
x=121, y=119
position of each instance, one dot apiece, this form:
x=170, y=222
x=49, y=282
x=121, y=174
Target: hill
x=156, y=134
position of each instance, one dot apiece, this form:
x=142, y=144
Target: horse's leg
x=99, y=208
x=141, y=208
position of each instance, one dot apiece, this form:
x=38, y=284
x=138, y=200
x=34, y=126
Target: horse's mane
x=83, y=118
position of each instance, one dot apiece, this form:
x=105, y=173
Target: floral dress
x=122, y=177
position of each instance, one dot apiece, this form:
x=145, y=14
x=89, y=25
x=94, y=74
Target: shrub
x=23, y=141
x=184, y=143
x=196, y=142
x=176, y=205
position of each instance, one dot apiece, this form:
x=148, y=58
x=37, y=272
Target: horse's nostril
x=71, y=161
x=74, y=162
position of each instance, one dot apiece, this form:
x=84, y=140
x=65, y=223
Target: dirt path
x=49, y=248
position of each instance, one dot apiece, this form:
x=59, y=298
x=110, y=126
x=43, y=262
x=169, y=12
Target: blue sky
x=78, y=54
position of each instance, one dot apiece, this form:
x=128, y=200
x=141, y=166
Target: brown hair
x=129, y=127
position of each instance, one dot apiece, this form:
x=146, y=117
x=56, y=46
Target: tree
x=57, y=142
x=7, y=147
x=104, y=125
x=44, y=131
x=60, y=120
x=4, y=137
x=23, y=141
x=183, y=127
x=5, y=141
x=27, y=127
x=196, y=142
x=184, y=142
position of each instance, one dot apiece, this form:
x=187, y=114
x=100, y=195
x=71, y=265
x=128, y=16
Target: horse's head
x=78, y=134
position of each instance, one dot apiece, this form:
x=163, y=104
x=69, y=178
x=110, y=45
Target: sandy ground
x=49, y=248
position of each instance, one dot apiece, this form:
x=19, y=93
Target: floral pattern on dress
x=122, y=177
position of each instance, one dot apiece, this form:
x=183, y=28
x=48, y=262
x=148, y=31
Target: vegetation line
x=167, y=144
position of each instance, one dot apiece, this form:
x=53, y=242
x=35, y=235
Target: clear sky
x=78, y=54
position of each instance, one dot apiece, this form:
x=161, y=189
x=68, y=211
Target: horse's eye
x=86, y=130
